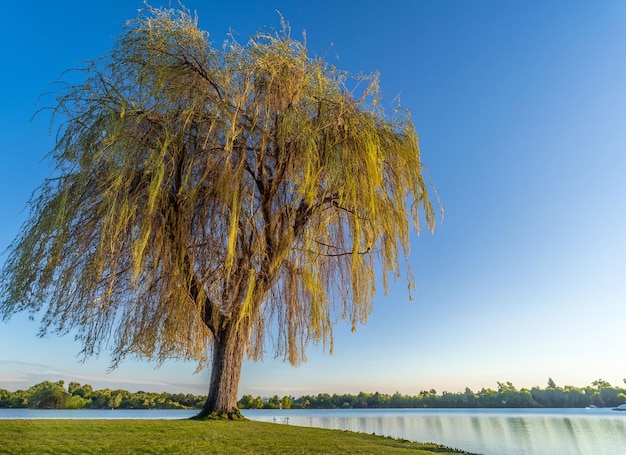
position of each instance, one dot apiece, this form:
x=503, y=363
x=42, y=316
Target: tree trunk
x=226, y=366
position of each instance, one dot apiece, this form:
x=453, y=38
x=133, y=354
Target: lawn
x=58, y=436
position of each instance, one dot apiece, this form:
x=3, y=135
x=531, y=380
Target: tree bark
x=228, y=350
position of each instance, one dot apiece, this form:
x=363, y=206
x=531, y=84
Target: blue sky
x=520, y=107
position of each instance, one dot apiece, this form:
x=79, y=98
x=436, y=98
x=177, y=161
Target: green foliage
x=50, y=395
x=17, y=399
x=76, y=402
x=249, y=402
x=202, y=188
x=507, y=396
x=600, y=384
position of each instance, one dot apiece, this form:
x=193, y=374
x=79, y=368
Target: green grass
x=43, y=436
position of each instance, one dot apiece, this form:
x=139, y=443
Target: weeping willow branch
x=208, y=193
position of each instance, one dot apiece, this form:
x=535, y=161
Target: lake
x=599, y=431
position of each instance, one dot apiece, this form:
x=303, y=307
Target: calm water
x=485, y=431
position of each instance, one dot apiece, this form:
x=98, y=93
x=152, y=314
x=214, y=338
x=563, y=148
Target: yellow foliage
x=252, y=187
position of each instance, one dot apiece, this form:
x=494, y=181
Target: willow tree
x=207, y=197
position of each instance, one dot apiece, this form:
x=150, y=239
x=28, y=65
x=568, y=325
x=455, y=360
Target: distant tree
x=469, y=398
x=610, y=396
x=48, y=395
x=73, y=387
x=600, y=384
x=506, y=387
x=115, y=400
x=80, y=396
x=378, y=400
x=76, y=402
x=246, y=402
x=204, y=196
x=488, y=398
x=397, y=400
x=19, y=399
x=100, y=399
x=274, y=402
x=551, y=384
x=85, y=391
x=6, y=398
x=286, y=402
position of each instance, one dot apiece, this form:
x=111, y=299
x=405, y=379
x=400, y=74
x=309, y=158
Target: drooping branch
x=203, y=191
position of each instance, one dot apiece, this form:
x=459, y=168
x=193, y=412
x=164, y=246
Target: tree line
x=55, y=395
x=600, y=393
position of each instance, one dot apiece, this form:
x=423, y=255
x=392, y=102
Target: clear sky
x=521, y=111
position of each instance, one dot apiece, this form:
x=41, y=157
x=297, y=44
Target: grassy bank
x=191, y=437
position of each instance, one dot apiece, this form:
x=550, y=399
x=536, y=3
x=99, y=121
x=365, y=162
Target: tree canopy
x=210, y=196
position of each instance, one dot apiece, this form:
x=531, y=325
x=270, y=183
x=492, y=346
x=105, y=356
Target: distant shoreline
x=56, y=395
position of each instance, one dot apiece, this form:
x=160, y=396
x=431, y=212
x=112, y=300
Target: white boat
x=621, y=407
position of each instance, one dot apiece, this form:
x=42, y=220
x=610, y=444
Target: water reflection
x=489, y=432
